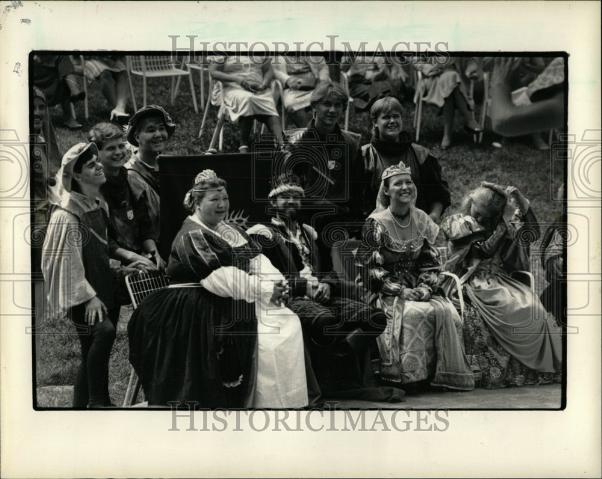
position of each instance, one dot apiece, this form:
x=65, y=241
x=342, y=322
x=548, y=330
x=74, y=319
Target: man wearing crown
x=338, y=328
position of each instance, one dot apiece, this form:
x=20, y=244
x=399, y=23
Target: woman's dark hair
x=199, y=190
x=104, y=132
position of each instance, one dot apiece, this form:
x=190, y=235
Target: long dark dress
x=186, y=343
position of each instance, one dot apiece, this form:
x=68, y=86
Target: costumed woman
x=390, y=145
x=510, y=340
x=220, y=334
x=399, y=266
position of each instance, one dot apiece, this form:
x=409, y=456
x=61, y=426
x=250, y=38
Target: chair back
x=150, y=63
x=140, y=285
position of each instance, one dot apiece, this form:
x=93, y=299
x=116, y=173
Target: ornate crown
x=205, y=175
x=394, y=170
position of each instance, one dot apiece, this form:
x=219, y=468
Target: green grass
x=464, y=165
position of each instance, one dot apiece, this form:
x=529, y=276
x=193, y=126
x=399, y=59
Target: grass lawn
x=464, y=165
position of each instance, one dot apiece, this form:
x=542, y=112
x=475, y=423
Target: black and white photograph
x=277, y=231
x=243, y=239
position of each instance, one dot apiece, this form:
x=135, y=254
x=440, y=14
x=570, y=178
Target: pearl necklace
x=398, y=223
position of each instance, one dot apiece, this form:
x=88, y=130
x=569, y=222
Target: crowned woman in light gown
x=220, y=335
x=399, y=266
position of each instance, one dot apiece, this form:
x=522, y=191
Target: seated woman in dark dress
x=391, y=145
x=220, y=335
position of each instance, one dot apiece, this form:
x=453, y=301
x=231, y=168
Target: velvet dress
x=214, y=337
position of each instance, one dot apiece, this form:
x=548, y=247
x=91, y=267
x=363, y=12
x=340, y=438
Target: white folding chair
x=139, y=286
x=197, y=64
x=151, y=66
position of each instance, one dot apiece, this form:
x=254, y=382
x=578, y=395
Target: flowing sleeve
x=369, y=261
x=429, y=265
x=62, y=265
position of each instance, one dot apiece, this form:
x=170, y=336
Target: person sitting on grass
x=149, y=129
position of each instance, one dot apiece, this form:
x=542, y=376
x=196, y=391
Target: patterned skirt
x=493, y=367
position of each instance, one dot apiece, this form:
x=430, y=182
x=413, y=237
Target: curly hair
x=103, y=132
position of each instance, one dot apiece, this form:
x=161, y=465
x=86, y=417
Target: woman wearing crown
x=399, y=265
x=220, y=334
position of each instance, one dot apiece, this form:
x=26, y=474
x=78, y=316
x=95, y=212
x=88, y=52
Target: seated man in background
x=338, y=329
x=327, y=159
x=299, y=77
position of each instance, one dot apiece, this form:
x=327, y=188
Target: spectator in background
x=539, y=107
x=372, y=77
x=149, y=129
x=247, y=95
x=56, y=76
x=299, y=77
x=446, y=84
x=110, y=71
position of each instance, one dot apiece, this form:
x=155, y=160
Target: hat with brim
x=145, y=112
x=37, y=93
x=70, y=160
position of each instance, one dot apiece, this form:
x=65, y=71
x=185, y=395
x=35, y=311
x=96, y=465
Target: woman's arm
x=217, y=73
x=510, y=120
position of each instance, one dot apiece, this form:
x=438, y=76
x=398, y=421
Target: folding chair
x=198, y=64
x=139, y=286
x=216, y=98
x=150, y=66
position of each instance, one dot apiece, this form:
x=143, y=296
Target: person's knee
x=106, y=332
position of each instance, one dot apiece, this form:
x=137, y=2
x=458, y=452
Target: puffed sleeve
x=429, y=265
x=369, y=260
x=62, y=265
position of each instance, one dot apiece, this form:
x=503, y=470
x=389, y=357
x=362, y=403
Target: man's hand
x=95, y=311
x=322, y=293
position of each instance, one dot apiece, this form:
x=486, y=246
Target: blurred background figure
x=372, y=77
x=527, y=97
x=299, y=77
x=445, y=83
x=247, y=94
x=110, y=72
x=56, y=76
